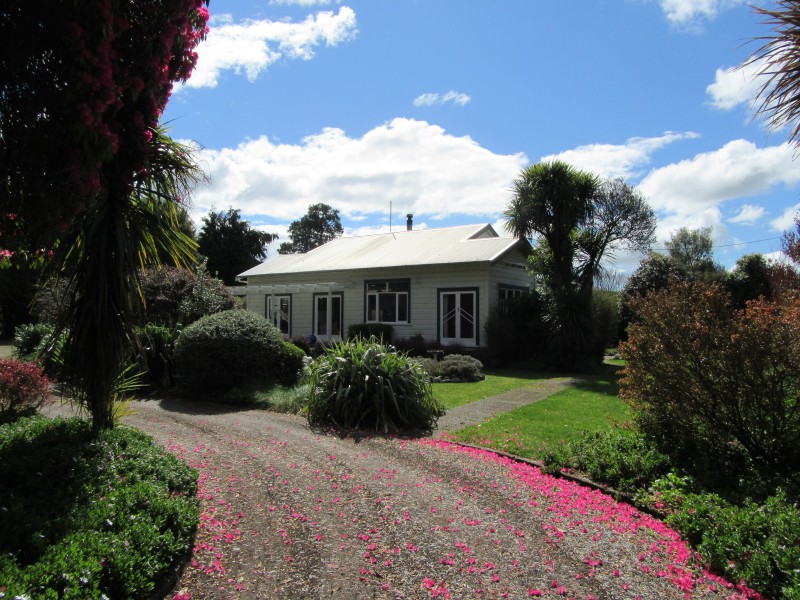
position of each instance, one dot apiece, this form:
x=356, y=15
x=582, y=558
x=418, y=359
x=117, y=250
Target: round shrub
x=454, y=368
x=363, y=384
x=23, y=388
x=229, y=349
x=290, y=364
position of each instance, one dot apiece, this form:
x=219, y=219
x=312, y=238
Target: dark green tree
x=84, y=166
x=231, y=244
x=655, y=272
x=578, y=220
x=751, y=278
x=320, y=225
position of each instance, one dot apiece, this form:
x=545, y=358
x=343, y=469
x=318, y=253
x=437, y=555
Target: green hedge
x=365, y=331
x=231, y=349
x=90, y=516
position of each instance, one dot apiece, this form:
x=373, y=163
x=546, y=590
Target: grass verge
x=90, y=516
x=591, y=405
x=496, y=382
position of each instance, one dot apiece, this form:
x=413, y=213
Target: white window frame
x=372, y=304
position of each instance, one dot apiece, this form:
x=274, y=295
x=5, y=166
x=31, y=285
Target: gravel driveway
x=292, y=513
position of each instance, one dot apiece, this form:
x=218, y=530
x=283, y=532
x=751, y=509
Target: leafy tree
x=779, y=60
x=655, y=272
x=84, y=162
x=320, y=225
x=231, y=245
x=693, y=250
x=791, y=241
x=750, y=278
x=579, y=220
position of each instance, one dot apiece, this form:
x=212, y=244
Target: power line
x=735, y=244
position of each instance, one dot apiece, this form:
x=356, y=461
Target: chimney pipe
x=409, y=222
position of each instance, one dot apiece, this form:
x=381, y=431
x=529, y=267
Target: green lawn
x=6, y=349
x=496, y=382
x=528, y=431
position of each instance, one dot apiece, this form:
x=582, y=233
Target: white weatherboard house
x=439, y=283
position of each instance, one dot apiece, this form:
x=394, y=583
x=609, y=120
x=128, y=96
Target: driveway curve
x=288, y=512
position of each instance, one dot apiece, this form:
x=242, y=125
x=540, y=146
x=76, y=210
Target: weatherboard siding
x=426, y=282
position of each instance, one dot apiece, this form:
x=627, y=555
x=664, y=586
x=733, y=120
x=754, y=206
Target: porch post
x=329, y=315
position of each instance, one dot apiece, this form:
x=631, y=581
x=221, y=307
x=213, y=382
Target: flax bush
x=364, y=384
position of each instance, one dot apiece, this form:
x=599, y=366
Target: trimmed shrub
x=364, y=384
x=755, y=542
x=365, y=331
x=90, y=516
x=290, y=364
x=234, y=348
x=454, y=368
x=23, y=388
x=622, y=459
x=715, y=387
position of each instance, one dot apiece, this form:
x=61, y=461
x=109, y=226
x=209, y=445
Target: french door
x=328, y=317
x=458, y=317
x=279, y=310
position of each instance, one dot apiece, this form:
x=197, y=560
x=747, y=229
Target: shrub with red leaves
x=23, y=388
x=706, y=380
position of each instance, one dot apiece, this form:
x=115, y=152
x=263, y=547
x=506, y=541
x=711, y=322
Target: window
x=506, y=294
x=387, y=301
x=278, y=311
x=328, y=319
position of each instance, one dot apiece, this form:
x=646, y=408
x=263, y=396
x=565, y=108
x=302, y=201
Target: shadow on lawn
x=604, y=381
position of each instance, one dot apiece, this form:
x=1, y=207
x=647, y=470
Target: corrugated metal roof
x=450, y=245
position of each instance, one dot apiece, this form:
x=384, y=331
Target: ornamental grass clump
x=364, y=384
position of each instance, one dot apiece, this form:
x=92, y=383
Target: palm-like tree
x=779, y=60
x=126, y=229
x=552, y=201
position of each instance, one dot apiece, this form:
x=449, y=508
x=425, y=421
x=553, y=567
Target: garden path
x=477, y=412
x=288, y=512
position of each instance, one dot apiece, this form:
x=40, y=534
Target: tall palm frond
x=123, y=231
x=779, y=60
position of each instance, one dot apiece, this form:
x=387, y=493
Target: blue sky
x=435, y=106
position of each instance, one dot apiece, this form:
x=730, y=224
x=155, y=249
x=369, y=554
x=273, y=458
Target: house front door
x=458, y=318
x=328, y=317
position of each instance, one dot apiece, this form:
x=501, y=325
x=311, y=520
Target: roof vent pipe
x=409, y=222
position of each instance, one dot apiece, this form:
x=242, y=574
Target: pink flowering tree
x=85, y=167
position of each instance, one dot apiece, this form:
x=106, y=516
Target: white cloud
x=786, y=221
x=301, y=2
x=250, y=47
x=748, y=214
x=432, y=98
x=736, y=85
x=737, y=170
x=417, y=166
x=687, y=13
x=609, y=160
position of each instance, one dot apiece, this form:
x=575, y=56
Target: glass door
x=328, y=319
x=458, y=318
